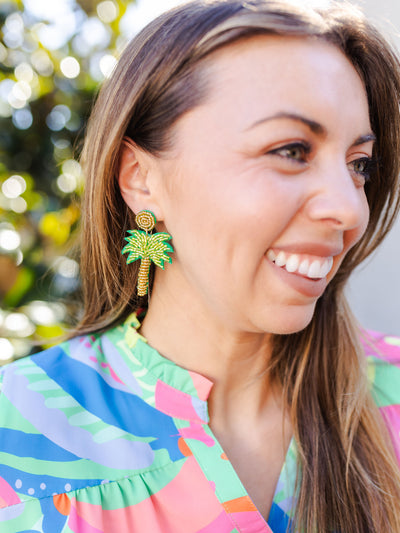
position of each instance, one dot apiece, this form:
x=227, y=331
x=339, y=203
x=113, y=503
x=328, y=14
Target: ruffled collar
x=178, y=392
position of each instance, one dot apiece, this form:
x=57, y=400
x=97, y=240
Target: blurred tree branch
x=51, y=66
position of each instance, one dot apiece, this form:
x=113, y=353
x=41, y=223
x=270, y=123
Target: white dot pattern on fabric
x=31, y=491
x=67, y=486
x=18, y=484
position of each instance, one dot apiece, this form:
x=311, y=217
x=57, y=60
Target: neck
x=236, y=361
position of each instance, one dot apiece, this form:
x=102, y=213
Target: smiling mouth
x=312, y=267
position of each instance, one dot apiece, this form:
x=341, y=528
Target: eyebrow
x=314, y=126
x=365, y=139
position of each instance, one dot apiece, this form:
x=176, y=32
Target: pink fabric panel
x=222, y=524
x=202, y=385
x=174, y=402
x=250, y=522
x=78, y=524
x=382, y=346
x=196, y=431
x=7, y=494
x=174, y=509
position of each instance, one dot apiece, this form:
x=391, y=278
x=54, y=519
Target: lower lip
x=312, y=288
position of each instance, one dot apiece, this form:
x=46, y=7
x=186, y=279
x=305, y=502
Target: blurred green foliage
x=53, y=56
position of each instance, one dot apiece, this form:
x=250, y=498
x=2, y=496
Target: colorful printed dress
x=103, y=434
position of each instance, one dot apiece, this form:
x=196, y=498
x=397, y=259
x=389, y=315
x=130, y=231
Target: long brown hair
x=348, y=478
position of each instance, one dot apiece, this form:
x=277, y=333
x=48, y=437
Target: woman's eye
x=293, y=152
x=362, y=167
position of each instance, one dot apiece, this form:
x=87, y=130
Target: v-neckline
x=189, y=409
x=232, y=494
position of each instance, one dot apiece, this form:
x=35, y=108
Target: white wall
x=374, y=290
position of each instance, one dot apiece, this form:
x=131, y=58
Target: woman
x=264, y=138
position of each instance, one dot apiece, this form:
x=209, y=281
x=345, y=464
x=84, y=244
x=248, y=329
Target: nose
x=337, y=199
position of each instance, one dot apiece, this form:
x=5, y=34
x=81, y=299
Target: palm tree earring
x=147, y=247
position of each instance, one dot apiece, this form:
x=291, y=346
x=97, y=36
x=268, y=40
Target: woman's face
x=263, y=191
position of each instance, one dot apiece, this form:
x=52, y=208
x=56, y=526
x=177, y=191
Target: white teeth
x=318, y=268
x=303, y=268
x=280, y=260
x=314, y=270
x=327, y=265
x=330, y=263
x=292, y=263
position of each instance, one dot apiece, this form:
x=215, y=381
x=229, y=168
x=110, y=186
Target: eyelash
x=370, y=167
x=305, y=148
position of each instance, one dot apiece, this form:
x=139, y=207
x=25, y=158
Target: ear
x=135, y=179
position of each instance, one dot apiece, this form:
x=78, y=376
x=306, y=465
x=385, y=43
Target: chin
x=291, y=320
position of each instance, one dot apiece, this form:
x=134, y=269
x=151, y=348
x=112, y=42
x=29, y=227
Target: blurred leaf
x=49, y=335
x=53, y=226
x=24, y=280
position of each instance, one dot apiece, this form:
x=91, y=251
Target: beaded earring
x=147, y=247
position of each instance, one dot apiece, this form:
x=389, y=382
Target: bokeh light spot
x=19, y=324
x=6, y=349
x=70, y=67
x=66, y=267
x=62, y=148
x=107, y=64
x=67, y=183
x=13, y=186
x=18, y=205
x=19, y=257
x=13, y=39
x=107, y=11
x=58, y=117
x=16, y=93
x=44, y=313
x=6, y=87
x=22, y=90
x=22, y=118
x=42, y=63
x=24, y=72
x=9, y=239
x=70, y=166
x=95, y=33
x=3, y=52
x=14, y=23
x=5, y=109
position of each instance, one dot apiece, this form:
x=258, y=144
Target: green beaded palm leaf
x=142, y=245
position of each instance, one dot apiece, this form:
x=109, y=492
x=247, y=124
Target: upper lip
x=309, y=248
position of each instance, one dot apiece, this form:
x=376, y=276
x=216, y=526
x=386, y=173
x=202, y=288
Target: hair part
x=348, y=478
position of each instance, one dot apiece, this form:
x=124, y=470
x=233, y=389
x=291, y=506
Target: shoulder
x=79, y=370
x=74, y=416
x=43, y=384
x=54, y=364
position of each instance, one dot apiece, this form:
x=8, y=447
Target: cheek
x=352, y=235
x=356, y=234
x=351, y=238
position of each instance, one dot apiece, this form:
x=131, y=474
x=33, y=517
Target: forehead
x=299, y=74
